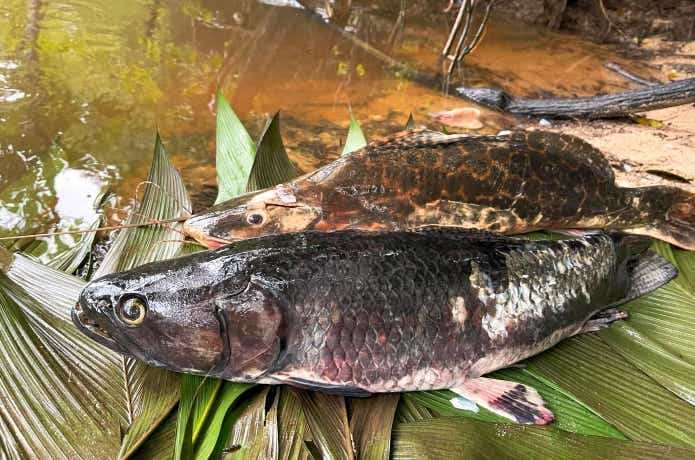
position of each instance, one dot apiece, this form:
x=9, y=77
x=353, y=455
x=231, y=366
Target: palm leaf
x=255, y=429
x=271, y=166
x=292, y=428
x=456, y=437
x=326, y=417
x=133, y=397
x=589, y=370
x=159, y=446
x=235, y=152
x=355, y=137
x=370, y=423
x=198, y=395
x=50, y=406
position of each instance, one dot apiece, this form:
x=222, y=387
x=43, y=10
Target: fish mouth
x=210, y=242
x=94, y=330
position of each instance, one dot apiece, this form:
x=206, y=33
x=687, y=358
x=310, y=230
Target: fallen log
x=656, y=96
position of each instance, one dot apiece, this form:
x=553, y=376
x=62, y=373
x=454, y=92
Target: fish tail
x=645, y=270
x=666, y=213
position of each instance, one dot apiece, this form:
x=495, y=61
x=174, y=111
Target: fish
x=357, y=313
x=509, y=184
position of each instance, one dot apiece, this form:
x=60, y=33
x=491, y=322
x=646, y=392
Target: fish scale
x=385, y=309
x=511, y=184
x=358, y=312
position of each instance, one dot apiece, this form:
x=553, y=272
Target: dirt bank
x=660, y=34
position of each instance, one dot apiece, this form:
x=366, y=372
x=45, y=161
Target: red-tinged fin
x=517, y=402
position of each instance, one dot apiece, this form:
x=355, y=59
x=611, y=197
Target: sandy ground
x=641, y=154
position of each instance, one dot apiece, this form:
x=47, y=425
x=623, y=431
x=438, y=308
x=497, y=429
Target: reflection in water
x=102, y=76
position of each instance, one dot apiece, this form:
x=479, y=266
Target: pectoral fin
x=517, y=402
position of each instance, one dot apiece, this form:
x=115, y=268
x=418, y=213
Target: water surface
x=84, y=85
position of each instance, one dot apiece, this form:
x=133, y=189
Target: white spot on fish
x=458, y=311
x=539, y=281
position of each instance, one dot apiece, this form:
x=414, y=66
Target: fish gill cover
x=63, y=395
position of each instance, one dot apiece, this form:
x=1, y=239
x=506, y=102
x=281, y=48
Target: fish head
x=162, y=316
x=266, y=212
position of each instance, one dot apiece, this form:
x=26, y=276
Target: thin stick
x=130, y=213
x=111, y=227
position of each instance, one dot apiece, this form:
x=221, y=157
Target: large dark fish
x=367, y=312
x=510, y=184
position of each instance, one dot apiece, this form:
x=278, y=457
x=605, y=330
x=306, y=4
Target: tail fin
x=646, y=270
x=650, y=273
x=670, y=214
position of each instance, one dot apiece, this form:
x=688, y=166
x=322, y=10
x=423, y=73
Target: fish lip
x=210, y=242
x=94, y=331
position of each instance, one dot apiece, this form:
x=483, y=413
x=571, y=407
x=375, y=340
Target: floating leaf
x=456, y=437
x=272, y=166
x=235, y=152
x=652, y=123
x=355, y=137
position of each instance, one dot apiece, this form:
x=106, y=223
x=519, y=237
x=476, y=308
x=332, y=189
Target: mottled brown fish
x=511, y=184
x=356, y=313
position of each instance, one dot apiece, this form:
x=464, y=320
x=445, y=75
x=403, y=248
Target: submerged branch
x=657, y=96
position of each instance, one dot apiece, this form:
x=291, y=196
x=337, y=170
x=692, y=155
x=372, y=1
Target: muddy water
x=85, y=84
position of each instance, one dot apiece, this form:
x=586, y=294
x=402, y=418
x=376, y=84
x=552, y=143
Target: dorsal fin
x=413, y=138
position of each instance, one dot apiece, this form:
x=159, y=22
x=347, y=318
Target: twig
x=627, y=75
x=110, y=227
x=462, y=28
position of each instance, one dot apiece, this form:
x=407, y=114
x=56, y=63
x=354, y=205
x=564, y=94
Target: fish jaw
x=199, y=235
x=92, y=329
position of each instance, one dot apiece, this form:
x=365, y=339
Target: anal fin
x=517, y=402
x=602, y=320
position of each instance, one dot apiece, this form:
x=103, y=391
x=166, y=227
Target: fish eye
x=132, y=310
x=254, y=218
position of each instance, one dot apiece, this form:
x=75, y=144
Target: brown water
x=85, y=84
